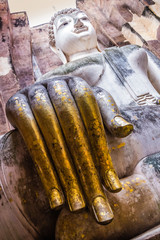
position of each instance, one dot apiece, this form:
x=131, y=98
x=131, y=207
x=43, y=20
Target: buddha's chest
x=91, y=73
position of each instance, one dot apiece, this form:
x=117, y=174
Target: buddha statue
x=60, y=119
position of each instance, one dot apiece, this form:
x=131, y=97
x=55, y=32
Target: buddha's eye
x=65, y=23
x=84, y=18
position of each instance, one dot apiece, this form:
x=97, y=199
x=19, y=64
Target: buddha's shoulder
x=111, y=55
x=71, y=67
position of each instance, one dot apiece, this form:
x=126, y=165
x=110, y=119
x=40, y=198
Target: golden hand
x=60, y=122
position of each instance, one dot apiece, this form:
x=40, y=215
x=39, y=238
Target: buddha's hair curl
x=62, y=12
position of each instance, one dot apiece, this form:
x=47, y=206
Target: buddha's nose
x=78, y=23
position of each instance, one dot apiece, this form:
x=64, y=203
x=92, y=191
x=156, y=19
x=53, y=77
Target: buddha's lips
x=82, y=29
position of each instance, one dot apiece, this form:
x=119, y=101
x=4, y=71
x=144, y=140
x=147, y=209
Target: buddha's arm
x=154, y=70
x=146, y=66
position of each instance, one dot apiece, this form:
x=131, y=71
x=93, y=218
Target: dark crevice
x=127, y=25
x=148, y=11
x=1, y=23
x=20, y=22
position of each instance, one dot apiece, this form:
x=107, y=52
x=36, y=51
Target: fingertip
x=56, y=199
x=111, y=181
x=76, y=201
x=122, y=128
x=102, y=210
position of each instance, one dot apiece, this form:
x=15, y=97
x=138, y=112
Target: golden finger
x=91, y=116
x=21, y=116
x=78, y=144
x=49, y=125
x=114, y=122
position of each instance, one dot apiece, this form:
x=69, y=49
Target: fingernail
x=75, y=201
x=112, y=182
x=56, y=199
x=102, y=210
x=123, y=128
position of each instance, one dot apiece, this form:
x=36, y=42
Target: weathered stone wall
x=8, y=80
x=46, y=60
x=124, y=22
x=17, y=43
x=25, y=52
x=21, y=49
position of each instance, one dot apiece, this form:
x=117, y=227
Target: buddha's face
x=74, y=33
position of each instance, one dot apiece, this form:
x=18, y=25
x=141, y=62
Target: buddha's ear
x=98, y=47
x=59, y=53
